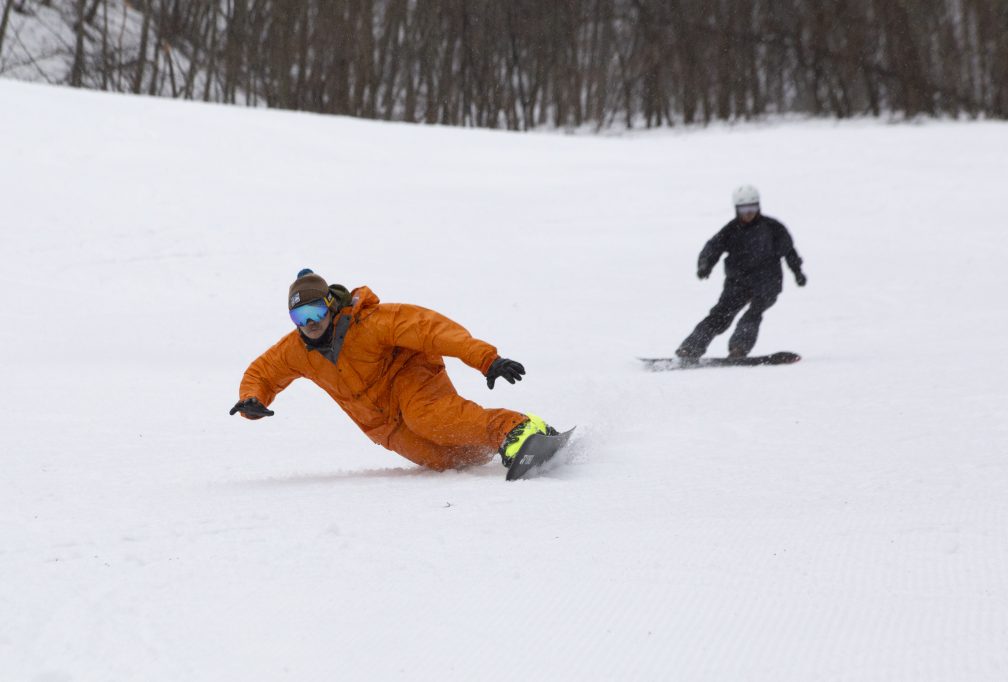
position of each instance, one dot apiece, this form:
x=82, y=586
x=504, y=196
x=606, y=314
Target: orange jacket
x=382, y=340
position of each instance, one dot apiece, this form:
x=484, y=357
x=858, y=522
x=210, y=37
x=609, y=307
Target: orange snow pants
x=440, y=429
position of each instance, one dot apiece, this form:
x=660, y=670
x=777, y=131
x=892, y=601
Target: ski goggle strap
x=309, y=312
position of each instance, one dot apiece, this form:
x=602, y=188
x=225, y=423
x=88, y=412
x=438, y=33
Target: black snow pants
x=759, y=294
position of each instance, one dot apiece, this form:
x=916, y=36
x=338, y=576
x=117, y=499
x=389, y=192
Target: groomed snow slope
x=845, y=518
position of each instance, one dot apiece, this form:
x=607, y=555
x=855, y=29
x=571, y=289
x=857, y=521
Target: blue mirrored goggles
x=309, y=312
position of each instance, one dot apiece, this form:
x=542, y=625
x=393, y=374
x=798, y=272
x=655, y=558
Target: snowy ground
x=841, y=519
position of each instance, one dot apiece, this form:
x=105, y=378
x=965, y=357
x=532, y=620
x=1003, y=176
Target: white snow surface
x=845, y=518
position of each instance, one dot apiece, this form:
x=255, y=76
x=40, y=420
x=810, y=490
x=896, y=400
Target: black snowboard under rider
x=753, y=277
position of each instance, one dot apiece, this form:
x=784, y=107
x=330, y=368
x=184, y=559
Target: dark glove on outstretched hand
x=502, y=368
x=800, y=278
x=703, y=273
x=251, y=408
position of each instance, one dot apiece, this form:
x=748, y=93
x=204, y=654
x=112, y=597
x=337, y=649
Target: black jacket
x=754, y=250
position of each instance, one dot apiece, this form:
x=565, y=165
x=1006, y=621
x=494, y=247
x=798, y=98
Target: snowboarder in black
x=755, y=244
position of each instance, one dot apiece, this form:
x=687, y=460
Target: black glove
x=800, y=278
x=502, y=368
x=251, y=408
x=703, y=273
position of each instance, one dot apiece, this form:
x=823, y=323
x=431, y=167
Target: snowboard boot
x=688, y=355
x=688, y=352
x=517, y=436
x=737, y=353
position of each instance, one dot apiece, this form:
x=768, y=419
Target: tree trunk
x=77, y=70
x=142, y=52
x=8, y=6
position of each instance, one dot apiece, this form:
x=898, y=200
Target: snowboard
x=665, y=364
x=534, y=453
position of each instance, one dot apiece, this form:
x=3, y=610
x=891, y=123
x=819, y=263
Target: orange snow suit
x=389, y=377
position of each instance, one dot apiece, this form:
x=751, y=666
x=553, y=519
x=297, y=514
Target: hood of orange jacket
x=378, y=342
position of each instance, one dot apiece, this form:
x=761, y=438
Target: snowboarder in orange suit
x=383, y=364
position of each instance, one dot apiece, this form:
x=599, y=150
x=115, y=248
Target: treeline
x=524, y=63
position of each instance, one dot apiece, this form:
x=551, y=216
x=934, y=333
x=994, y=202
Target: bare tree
x=4, y=19
x=526, y=63
x=77, y=70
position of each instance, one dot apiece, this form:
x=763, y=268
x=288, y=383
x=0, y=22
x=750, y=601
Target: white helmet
x=744, y=195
